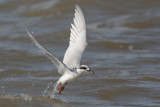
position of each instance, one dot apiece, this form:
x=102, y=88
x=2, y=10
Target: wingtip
x=28, y=32
x=78, y=10
x=77, y=7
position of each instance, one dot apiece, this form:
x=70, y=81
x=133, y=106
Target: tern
x=70, y=68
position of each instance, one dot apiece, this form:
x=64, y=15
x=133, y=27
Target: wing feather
x=61, y=67
x=77, y=42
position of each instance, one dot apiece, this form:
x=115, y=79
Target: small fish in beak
x=91, y=71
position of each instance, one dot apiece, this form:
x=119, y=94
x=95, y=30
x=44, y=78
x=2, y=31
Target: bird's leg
x=62, y=88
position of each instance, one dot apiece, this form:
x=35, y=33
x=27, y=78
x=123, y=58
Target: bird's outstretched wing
x=77, y=42
x=61, y=67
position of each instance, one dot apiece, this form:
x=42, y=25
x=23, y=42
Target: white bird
x=70, y=69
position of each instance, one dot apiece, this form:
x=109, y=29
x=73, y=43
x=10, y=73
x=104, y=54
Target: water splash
x=52, y=95
x=45, y=91
x=26, y=97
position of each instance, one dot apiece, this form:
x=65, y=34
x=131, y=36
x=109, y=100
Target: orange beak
x=91, y=71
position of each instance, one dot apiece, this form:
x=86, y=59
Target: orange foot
x=62, y=88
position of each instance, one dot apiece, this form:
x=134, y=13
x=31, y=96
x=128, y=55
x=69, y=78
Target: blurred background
x=123, y=49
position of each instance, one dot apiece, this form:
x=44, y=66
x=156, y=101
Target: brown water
x=123, y=50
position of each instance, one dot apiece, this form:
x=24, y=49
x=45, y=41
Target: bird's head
x=85, y=68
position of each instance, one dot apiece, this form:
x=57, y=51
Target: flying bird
x=70, y=68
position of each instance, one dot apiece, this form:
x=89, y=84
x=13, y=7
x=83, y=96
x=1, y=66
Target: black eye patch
x=83, y=68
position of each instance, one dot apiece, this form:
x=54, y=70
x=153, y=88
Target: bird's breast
x=69, y=77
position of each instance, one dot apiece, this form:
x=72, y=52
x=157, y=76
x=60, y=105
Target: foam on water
x=23, y=96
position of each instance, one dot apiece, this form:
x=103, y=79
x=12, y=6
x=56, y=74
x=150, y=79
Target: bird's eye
x=83, y=68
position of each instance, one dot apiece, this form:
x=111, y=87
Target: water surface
x=123, y=49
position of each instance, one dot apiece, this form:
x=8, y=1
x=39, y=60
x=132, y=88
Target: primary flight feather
x=77, y=42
